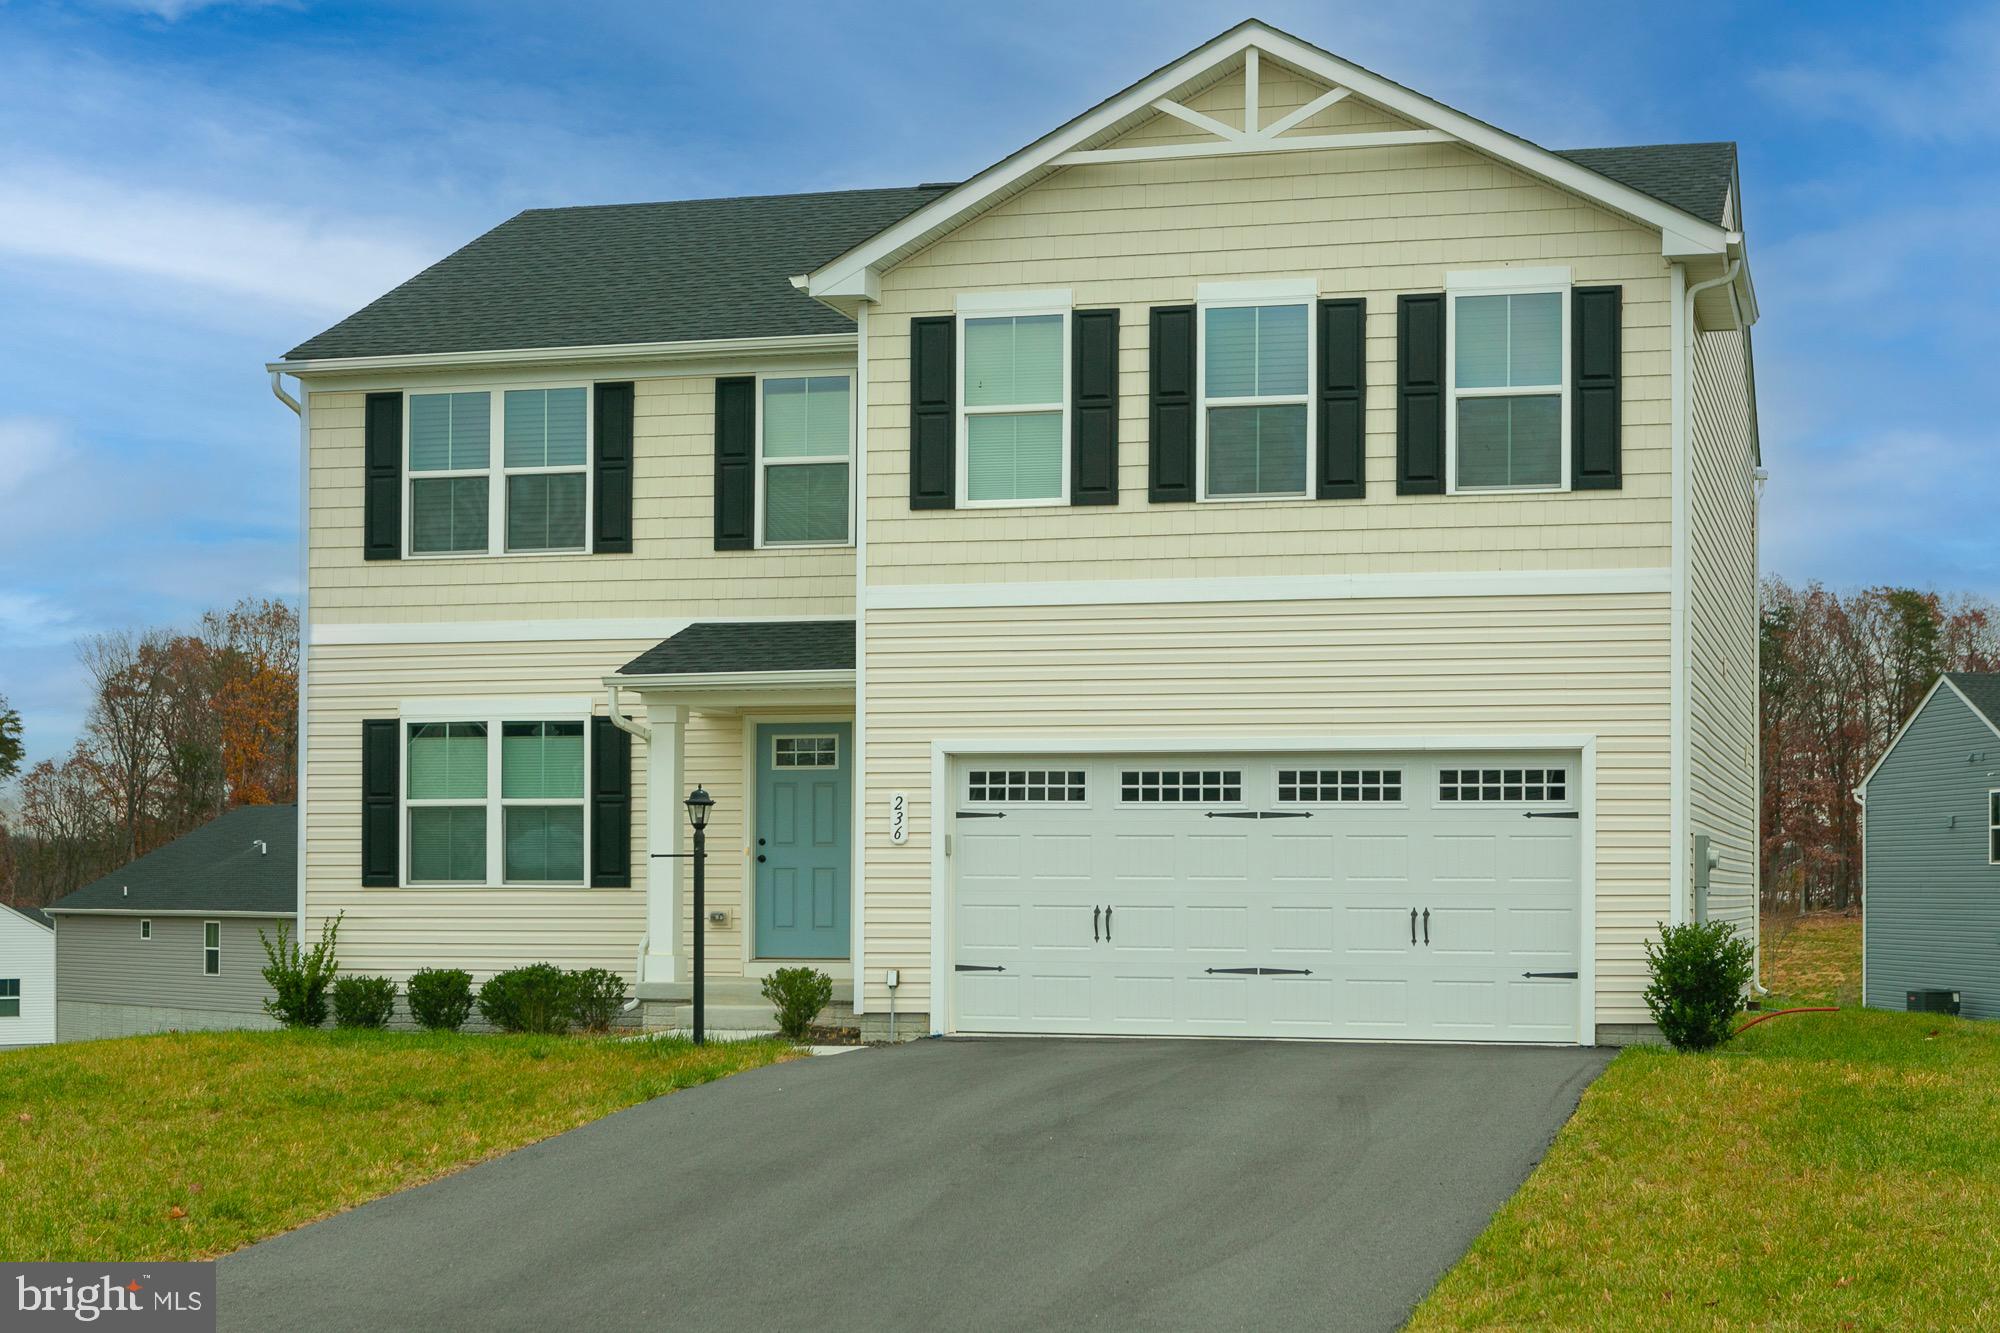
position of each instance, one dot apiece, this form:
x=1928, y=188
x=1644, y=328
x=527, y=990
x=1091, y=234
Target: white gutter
x=155, y=911
x=736, y=680
x=667, y=351
x=624, y=722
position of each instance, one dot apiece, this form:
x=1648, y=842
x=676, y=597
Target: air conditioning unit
x=1932, y=1002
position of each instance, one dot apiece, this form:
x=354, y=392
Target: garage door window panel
x=1025, y=786
x=1348, y=786
x=1180, y=786
x=1468, y=785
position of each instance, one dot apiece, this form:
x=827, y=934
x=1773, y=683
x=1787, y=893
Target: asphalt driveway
x=971, y=1184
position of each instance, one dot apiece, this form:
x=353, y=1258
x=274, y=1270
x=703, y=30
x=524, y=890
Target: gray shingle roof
x=1693, y=177
x=1983, y=689
x=216, y=868
x=782, y=645
x=689, y=270
x=34, y=914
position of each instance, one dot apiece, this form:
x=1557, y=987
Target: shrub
x=363, y=1002
x=299, y=978
x=1699, y=972
x=440, y=998
x=599, y=995
x=799, y=993
x=538, y=998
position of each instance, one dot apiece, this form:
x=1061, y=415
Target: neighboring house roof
x=1981, y=693
x=1696, y=178
x=34, y=914
x=692, y=270
x=216, y=868
x=713, y=648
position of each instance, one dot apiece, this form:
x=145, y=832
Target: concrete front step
x=721, y=1017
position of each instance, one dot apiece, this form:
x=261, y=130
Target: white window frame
x=145, y=928
x=1251, y=295
x=1007, y=305
x=815, y=737
x=853, y=447
x=1505, y=282
x=1992, y=826
x=496, y=471
x=495, y=714
x=18, y=998
x=211, y=950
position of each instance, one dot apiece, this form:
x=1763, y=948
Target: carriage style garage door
x=1403, y=897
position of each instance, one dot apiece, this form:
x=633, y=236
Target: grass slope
x=1822, y=1171
x=1813, y=959
x=189, y=1145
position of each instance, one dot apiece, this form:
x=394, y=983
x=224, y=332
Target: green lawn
x=190, y=1145
x=1822, y=1171
x=1813, y=959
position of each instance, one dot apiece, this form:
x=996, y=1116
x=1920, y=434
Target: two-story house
x=1275, y=556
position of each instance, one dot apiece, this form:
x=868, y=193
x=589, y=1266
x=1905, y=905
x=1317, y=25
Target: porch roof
x=728, y=648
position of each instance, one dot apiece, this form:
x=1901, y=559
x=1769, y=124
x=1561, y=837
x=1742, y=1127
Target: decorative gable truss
x=1254, y=136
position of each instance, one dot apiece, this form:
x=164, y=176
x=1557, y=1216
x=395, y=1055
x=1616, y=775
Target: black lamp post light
x=699, y=803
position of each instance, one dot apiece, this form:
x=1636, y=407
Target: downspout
x=305, y=637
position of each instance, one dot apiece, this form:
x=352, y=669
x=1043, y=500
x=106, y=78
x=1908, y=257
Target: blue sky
x=187, y=189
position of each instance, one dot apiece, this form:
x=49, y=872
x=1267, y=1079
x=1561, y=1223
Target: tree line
x=1840, y=674
x=182, y=726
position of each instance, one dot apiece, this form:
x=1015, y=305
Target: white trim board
x=1278, y=588
x=601, y=352
x=531, y=631
x=944, y=751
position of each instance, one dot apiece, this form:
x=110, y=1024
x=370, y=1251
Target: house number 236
x=899, y=816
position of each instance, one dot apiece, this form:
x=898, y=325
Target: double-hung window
x=805, y=443
x=1014, y=396
x=211, y=948
x=1256, y=362
x=495, y=800
x=493, y=472
x=1993, y=827
x=1509, y=361
x=10, y=997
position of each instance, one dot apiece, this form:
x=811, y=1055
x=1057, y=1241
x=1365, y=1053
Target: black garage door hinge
x=982, y=814
x=1260, y=971
x=977, y=967
x=1551, y=814
x=1260, y=814
x=1570, y=975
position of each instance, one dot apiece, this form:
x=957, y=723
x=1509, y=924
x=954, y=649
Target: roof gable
x=33, y=915
x=852, y=276
x=1978, y=691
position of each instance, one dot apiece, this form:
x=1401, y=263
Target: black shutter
x=736, y=463
x=1420, y=394
x=381, y=762
x=1596, y=462
x=1093, y=393
x=612, y=524
x=1170, y=415
x=933, y=407
x=382, y=493
x=1343, y=383
x=610, y=805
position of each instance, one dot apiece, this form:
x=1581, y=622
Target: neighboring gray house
x=170, y=941
x=1931, y=852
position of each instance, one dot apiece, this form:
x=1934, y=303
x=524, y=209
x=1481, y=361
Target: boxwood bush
x=540, y=997
x=363, y=1002
x=598, y=995
x=1699, y=972
x=799, y=994
x=440, y=998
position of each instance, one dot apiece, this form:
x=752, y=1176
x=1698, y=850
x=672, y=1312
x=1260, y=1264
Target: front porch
x=760, y=714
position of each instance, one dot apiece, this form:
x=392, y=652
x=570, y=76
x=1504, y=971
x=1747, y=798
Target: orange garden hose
x=1780, y=1013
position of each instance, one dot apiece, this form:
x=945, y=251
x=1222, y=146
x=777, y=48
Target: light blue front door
x=802, y=853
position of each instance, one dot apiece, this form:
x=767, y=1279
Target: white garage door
x=1405, y=897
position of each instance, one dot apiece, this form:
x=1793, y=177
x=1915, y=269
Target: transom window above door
x=805, y=447
x=1254, y=378
x=805, y=752
x=1012, y=434
x=484, y=482
x=1508, y=354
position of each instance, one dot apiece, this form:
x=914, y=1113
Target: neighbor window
x=145, y=929
x=1015, y=387
x=1993, y=827
x=1507, y=416
x=1254, y=361
x=211, y=948
x=456, y=834
x=10, y=997
x=804, y=447
x=484, y=480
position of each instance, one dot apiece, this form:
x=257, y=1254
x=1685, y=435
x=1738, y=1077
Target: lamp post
x=699, y=802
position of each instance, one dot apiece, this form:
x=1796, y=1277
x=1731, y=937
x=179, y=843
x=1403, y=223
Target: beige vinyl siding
x=674, y=570
x=1373, y=222
x=159, y=982
x=1722, y=623
x=1436, y=667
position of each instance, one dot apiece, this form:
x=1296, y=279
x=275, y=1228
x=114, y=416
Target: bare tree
x=128, y=672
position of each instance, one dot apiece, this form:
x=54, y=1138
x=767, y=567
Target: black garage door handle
x=1427, y=925
x=1413, y=925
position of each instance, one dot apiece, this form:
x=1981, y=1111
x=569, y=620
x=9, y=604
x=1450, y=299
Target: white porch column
x=664, y=818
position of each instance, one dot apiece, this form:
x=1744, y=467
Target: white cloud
x=1952, y=96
